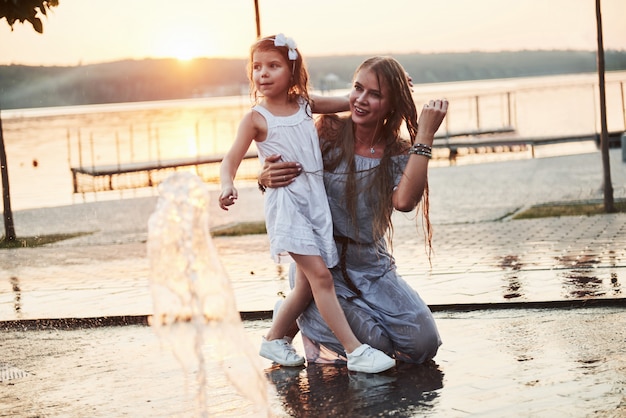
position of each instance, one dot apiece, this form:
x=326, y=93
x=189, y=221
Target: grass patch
x=38, y=241
x=241, y=228
x=568, y=209
x=237, y=229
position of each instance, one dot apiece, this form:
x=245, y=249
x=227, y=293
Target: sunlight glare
x=185, y=45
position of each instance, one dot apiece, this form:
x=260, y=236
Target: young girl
x=297, y=217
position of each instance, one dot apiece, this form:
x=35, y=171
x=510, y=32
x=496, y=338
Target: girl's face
x=271, y=74
x=369, y=101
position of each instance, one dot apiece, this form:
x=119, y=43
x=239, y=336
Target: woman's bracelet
x=421, y=149
x=261, y=187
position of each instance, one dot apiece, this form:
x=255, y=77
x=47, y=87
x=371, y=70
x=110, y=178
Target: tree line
x=24, y=86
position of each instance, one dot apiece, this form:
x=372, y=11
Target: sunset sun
x=185, y=46
x=186, y=52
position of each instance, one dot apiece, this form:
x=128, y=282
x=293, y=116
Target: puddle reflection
x=328, y=390
x=615, y=285
x=582, y=275
x=581, y=281
x=17, y=299
x=511, y=264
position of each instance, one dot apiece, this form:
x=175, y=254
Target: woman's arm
x=411, y=187
x=332, y=104
x=276, y=173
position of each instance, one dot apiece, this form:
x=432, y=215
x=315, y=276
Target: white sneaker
x=369, y=360
x=281, y=351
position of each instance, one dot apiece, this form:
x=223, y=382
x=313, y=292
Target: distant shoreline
x=166, y=79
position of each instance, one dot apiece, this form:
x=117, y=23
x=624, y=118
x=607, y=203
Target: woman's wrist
x=424, y=150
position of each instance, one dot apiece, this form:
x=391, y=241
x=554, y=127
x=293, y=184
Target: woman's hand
x=278, y=174
x=430, y=119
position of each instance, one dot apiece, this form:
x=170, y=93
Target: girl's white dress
x=298, y=216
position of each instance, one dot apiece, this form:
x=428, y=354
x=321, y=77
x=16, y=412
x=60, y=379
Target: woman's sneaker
x=369, y=360
x=281, y=351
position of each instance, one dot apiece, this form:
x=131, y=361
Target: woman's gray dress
x=388, y=314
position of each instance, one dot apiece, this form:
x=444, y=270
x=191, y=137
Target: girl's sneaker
x=369, y=360
x=281, y=351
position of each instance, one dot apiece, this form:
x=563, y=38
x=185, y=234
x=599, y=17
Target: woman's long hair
x=338, y=145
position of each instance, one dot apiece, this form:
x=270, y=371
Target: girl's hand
x=228, y=197
x=278, y=174
x=430, y=119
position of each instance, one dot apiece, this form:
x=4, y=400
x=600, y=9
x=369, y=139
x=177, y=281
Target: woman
x=370, y=170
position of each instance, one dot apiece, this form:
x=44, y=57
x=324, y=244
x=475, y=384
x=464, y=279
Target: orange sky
x=89, y=31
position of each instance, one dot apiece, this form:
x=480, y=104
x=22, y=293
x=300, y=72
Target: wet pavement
x=532, y=313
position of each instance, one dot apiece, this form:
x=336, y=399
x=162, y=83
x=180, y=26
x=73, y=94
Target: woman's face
x=369, y=102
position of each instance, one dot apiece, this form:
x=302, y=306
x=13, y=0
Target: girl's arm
x=246, y=133
x=333, y=104
x=411, y=186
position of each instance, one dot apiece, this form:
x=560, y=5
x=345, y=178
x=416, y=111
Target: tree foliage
x=26, y=11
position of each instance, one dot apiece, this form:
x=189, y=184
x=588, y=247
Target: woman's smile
x=368, y=99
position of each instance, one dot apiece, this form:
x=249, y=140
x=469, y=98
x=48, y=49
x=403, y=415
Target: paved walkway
x=483, y=261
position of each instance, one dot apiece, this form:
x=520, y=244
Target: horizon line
x=152, y=58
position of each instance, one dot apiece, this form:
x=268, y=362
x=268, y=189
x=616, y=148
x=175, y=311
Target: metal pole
x=621, y=87
x=93, y=159
x=93, y=165
x=69, y=149
x=117, y=149
x=258, y=18
x=158, y=146
x=508, y=105
x=477, y=114
x=609, y=206
x=80, y=151
x=132, y=147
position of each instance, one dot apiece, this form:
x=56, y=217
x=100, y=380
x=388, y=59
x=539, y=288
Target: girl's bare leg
x=323, y=288
x=294, y=304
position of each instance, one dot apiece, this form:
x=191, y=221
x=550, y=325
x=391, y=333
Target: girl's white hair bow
x=282, y=40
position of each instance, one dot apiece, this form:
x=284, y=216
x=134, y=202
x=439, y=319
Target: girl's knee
x=322, y=281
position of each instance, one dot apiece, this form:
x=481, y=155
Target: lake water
x=43, y=143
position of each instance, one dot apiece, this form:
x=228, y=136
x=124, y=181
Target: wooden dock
x=135, y=175
x=448, y=147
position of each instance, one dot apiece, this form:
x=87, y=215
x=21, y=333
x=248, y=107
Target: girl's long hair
x=299, y=86
x=338, y=146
